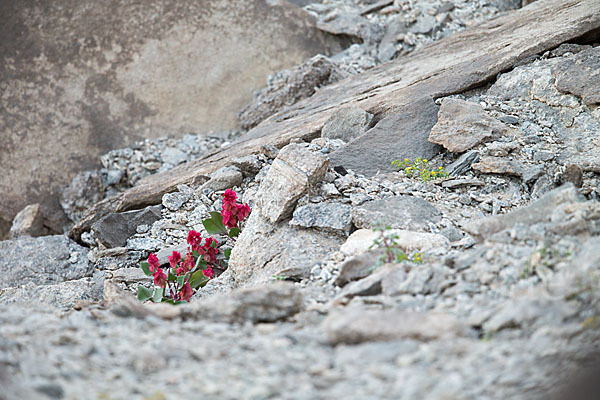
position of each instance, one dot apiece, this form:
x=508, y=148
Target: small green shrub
x=420, y=167
x=392, y=252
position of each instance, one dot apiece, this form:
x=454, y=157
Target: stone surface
x=435, y=71
x=401, y=212
x=63, y=295
x=288, y=87
x=327, y=216
x=352, y=25
x=580, y=75
x=498, y=165
x=28, y=222
x=346, y=124
x=288, y=179
x=42, y=261
x=85, y=189
x=538, y=211
x=463, y=163
x=350, y=326
x=114, y=229
x=224, y=179
x=263, y=250
x=401, y=134
x=462, y=125
x=357, y=267
x=138, y=71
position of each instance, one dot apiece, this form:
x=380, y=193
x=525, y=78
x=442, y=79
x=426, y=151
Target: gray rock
x=174, y=201
x=325, y=215
x=368, y=286
x=357, y=267
x=224, y=178
x=63, y=295
x=401, y=134
x=288, y=87
x=294, y=170
x=498, y=165
x=264, y=250
x=452, y=233
x=249, y=165
x=28, y=222
x=268, y=303
x=173, y=156
x=346, y=124
x=580, y=75
x=539, y=211
x=401, y=212
x=353, y=25
x=353, y=326
x=531, y=174
x=114, y=229
x=463, y=163
x=462, y=125
x=573, y=174
x=457, y=183
x=42, y=261
x=85, y=190
x=424, y=24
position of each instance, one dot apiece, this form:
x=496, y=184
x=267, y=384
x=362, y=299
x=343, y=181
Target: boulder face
x=79, y=78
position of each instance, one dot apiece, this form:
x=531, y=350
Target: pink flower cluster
x=232, y=212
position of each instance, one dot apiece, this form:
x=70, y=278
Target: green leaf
x=158, y=295
x=214, y=224
x=234, y=232
x=198, y=280
x=145, y=267
x=144, y=293
x=180, y=280
x=227, y=253
x=171, y=277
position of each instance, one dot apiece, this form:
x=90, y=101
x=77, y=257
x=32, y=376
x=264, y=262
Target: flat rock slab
x=399, y=212
x=403, y=86
x=135, y=71
x=62, y=295
x=580, y=75
x=353, y=326
x=462, y=125
x=42, y=261
x=114, y=229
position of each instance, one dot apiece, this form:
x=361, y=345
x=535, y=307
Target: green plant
x=420, y=167
x=392, y=251
x=185, y=275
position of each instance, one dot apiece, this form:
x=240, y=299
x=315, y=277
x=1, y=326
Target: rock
x=463, y=125
x=401, y=134
x=42, y=261
x=573, y=174
x=346, y=124
x=352, y=326
x=376, y=6
x=114, y=229
x=98, y=91
x=173, y=156
x=28, y=222
x=174, y=201
x=452, y=234
x=249, y=165
x=539, y=211
x=357, y=267
x=424, y=279
x=498, y=165
x=354, y=26
x=326, y=215
x=288, y=87
x=401, y=212
x=85, y=189
x=463, y=163
x=359, y=242
x=225, y=178
x=579, y=74
x=292, y=172
x=368, y=286
x=424, y=24
x=457, y=183
x=268, y=303
x=63, y=295
x=532, y=174
x=263, y=250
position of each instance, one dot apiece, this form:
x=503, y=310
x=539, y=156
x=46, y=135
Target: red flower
x=186, y=292
x=174, y=259
x=194, y=239
x=153, y=261
x=208, y=272
x=229, y=220
x=160, y=279
x=242, y=211
x=229, y=196
x=208, y=251
x=189, y=263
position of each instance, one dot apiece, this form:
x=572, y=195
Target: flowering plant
x=420, y=167
x=178, y=280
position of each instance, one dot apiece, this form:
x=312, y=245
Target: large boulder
x=81, y=78
x=42, y=261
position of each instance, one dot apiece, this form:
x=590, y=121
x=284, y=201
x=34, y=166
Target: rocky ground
x=503, y=300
